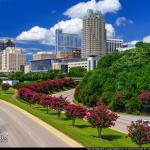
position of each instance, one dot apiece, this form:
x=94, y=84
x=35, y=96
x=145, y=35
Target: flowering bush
x=73, y=112
x=5, y=86
x=29, y=96
x=50, y=85
x=101, y=117
x=145, y=97
x=139, y=132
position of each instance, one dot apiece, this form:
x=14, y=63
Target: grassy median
x=83, y=133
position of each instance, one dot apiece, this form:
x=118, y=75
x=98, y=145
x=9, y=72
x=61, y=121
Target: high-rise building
x=93, y=35
x=6, y=43
x=65, y=41
x=114, y=44
x=13, y=59
x=43, y=55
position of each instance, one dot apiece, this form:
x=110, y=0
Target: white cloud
x=133, y=42
x=146, y=39
x=105, y=6
x=35, y=34
x=110, y=31
x=73, y=25
x=123, y=21
x=47, y=36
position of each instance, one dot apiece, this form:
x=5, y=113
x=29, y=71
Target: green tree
x=77, y=72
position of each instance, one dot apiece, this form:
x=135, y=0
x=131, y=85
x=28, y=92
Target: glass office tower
x=65, y=41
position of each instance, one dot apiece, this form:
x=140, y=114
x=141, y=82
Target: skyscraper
x=12, y=59
x=6, y=43
x=93, y=35
x=65, y=41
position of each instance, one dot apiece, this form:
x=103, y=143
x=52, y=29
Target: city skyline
x=44, y=22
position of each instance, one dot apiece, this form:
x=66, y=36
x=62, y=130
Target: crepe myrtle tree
x=59, y=104
x=139, y=132
x=73, y=112
x=45, y=101
x=101, y=117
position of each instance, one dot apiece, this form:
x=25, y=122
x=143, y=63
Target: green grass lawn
x=83, y=133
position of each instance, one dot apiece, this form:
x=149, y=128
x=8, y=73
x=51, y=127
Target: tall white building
x=12, y=59
x=93, y=35
x=114, y=44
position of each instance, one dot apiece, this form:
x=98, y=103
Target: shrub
x=73, y=112
x=132, y=106
x=48, y=86
x=18, y=85
x=139, y=132
x=145, y=96
x=5, y=86
x=77, y=72
x=29, y=96
x=101, y=117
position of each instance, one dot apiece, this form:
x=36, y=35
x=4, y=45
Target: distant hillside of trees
x=121, y=80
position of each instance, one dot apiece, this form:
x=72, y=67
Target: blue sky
x=39, y=18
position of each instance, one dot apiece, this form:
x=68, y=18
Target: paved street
x=67, y=94
x=122, y=122
x=21, y=131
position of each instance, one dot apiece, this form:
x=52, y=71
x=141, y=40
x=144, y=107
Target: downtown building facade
x=114, y=44
x=62, y=64
x=65, y=41
x=43, y=55
x=93, y=35
x=12, y=60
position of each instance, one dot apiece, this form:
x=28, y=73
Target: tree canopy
x=77, y=72
x=118, y=80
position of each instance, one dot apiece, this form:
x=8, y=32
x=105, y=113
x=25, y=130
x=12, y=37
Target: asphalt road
x=18, y=130
x=123, y=121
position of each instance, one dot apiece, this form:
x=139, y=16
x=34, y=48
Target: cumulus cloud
x=110, y=31
x=35, y=34
x=105, y=6
x=123, y=21
x=74, y=24
x=133, y=42
x=47, y=36
x=146, y=39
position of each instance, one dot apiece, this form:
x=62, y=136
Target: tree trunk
x=99, y=129
x=47, y=109
x=73, y=122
